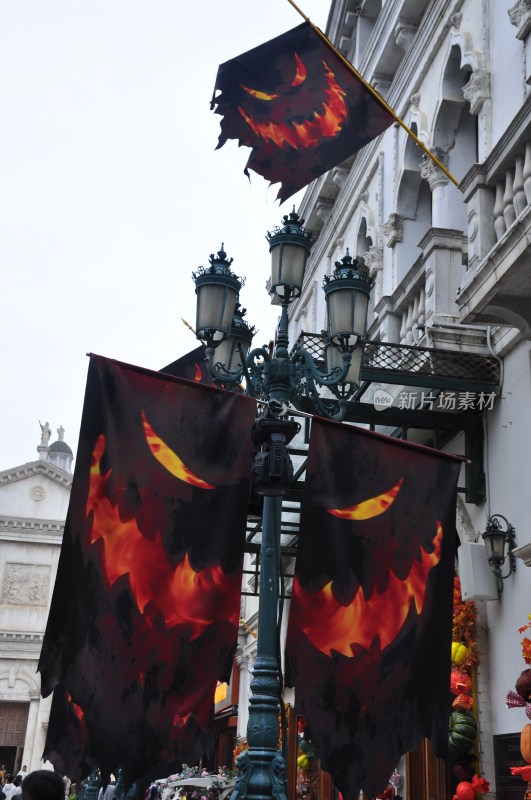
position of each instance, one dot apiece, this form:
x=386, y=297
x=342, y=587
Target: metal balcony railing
x=418, y=366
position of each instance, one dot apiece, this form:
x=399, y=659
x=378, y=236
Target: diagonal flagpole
x=375, y=94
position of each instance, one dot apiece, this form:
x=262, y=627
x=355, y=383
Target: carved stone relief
x=394, y=229
x=26, y=584
x=477, y=90
x=37, y=493
x=455, y=20
x=520, y=16
x=431, y=172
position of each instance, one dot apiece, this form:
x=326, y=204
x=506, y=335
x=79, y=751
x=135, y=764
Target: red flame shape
x=329, y=625
x=198, y=374
x=184, y=596
x=78, y=711
x=309, y=132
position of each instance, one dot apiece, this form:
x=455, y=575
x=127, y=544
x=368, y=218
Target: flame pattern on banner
x=78, y=711
x=376, y=621
x=309, y=132
x=184, y=596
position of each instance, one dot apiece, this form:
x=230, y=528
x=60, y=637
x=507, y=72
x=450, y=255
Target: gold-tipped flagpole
x=187, y=325
x=247, y=628
x=375, y=94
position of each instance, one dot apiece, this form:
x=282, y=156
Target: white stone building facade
x=451, y=266
x=33, y=504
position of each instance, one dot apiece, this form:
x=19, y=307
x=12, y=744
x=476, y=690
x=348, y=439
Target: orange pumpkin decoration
x=460, y=682
x=525, y=743
x=463, y=701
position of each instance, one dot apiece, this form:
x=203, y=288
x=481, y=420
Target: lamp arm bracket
x=218, y=372
x=254, y=370
x=333, y=378
x=330, y=409
x=257, y=352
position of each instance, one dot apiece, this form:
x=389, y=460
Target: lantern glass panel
x=495, y=545
x=347, y=311
x=287, y=265
x=215, y=307
x=228, y=353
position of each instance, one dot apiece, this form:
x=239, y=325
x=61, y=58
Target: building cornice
x=21, y=637
x=52, y=472
x=36, y=531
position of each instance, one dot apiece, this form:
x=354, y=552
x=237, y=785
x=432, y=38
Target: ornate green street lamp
x=347, y=292
x=277, y=380
x=217, y=290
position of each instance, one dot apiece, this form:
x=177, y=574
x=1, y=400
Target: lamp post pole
x=262, y=771
x=276, y=381
x=262, y=768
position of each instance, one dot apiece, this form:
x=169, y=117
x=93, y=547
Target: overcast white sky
x=111, y=192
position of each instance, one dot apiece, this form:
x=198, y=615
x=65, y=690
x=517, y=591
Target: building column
x=31, y=731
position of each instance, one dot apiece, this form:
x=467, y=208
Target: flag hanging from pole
x=192, y=366
x=298, y=106
x=369, y=632
x=67, y=742
x=145, y=611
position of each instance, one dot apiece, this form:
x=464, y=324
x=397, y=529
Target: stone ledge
x=524, y=552
x=21, y=523
x=22, y=636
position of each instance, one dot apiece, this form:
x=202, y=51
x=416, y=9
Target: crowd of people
x=10, y=785
x=42, y=784
x=45, y=784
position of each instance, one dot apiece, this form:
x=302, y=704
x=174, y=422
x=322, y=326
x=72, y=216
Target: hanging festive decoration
x=463, y=727
x=308, y=766
x=467, y=790
x=521, y=698
x=464, y=630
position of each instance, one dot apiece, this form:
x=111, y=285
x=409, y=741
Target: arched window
x=413, y=206
x=455, y=136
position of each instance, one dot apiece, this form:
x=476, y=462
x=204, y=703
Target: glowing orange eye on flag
x=169, y=459
x=300, y=77
x=260, y=95
x=369, y=508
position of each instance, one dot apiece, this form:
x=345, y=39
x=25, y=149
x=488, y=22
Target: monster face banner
x=296, y=104
x=368, y=646
x=145, y=611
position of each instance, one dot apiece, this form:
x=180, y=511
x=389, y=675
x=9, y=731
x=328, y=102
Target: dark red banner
x=368, y=646
x=145, y=611
x=298, y=106
x=192, y=366
x=67, y=742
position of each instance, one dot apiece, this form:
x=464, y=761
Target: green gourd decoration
x=462, y=733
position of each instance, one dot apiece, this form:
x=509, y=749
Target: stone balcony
x=496, y=289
